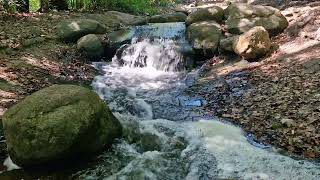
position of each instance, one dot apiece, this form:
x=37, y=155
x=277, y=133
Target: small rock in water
x=197, y=103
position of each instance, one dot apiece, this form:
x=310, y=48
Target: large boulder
x=242, y=17
x=204, y=37
x=91, y=46
x=253, y=44
x=171, y=17
x=205, y=14
x=114, y=20
x=72, y=30
x=58, y=123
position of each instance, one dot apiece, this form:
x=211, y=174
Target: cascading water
x=157, y=54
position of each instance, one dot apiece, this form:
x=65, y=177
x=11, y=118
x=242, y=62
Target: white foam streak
x=10, y=164
x=237, y=158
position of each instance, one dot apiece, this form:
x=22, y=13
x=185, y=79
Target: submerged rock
x=253, y=44
x=72, y=30
x=58, y=123
x=214, y=13
x=172, y=17
x=91, y=46
x=204, y=36
x=242, y=17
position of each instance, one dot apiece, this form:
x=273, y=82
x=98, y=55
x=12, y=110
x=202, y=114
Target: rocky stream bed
x=175, y=121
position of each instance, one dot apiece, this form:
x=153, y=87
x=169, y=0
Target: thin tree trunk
x=44, y=6
x=23, y=6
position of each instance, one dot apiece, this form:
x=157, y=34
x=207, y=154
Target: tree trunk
x=59, y=4
x=22, y=5
x=44, y=6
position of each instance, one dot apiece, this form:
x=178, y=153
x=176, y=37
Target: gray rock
x=253, y=44
x=117, y=39
x=172, y=17
x=205, y=14
x=204, y=36
x=58, y=123
x=243, y=17
x=91, y=46
x=72, y=30
x=113, y=20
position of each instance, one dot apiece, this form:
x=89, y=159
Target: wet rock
x=214, y=13
x=72, y=30
x=204, y=37
x=243, y=17
x=253, y=44
x=58, y=123
x=172, y=17
x=91, y=46
x=118, y=38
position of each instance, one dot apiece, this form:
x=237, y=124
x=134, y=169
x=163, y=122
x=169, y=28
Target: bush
x=129, y=6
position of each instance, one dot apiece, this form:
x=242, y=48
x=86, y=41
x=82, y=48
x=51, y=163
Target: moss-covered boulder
x=90, y=45
x=72, y=30
x=205, y=14
x=171, y=17
x=253, y=44
x=58, y=123
x=242, y=17
x=204, y=37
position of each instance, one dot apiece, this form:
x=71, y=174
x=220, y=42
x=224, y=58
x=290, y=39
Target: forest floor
x=277, y=99
x=31, y=57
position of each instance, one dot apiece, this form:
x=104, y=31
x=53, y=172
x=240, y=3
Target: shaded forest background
x=130, y=6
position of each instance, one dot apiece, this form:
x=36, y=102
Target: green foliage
x=129, y=6
x=132, y=6
x=9, y=5
x=34, y=5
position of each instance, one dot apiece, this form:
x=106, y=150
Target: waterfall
x=161, y=54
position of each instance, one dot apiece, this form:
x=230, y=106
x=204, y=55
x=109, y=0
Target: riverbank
x=277, y=99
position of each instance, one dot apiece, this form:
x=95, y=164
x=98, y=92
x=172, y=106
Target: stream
x=167, y=134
